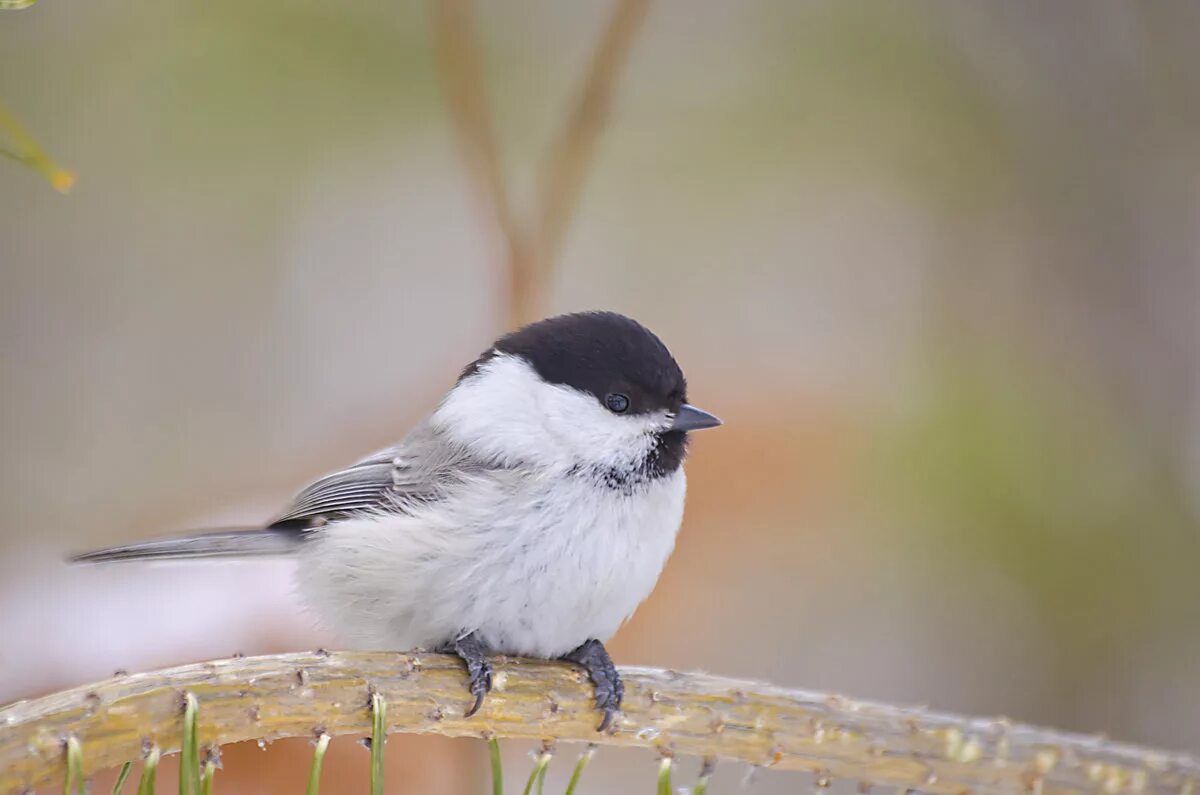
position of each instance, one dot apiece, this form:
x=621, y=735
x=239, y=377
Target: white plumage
x=531, y=555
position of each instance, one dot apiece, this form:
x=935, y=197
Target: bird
x=528, y=515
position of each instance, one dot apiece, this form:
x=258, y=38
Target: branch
x=305, y=694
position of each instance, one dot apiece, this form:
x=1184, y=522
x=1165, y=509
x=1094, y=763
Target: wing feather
x=416, y=471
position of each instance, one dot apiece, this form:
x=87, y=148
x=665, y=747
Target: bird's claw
x=474, y=652
x=610, y=690
x=481, y=684
x=475, y=706
x=609, y=693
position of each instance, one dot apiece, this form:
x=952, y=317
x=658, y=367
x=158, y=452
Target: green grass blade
x=706, y=771
x=539, y=771
x=189, y=751
x=532, y=778
x=74, y=780
x=664, y=776
x=206, y=777
x=314, y=775
x=497, y=767
x=120, y=785
x=378, y=738
x=584, y=758
x=149, y=772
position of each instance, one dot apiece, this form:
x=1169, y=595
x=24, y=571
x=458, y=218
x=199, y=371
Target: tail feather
x=241, y=542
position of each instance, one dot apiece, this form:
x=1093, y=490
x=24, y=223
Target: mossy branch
x=309, y=694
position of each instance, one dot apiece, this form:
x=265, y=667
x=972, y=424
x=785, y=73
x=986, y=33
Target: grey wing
x=419, y=470
x=414, y=471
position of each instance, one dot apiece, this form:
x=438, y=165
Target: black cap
x=602, y=353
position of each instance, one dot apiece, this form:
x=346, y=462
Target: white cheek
x=507, y=413
x=595, y=435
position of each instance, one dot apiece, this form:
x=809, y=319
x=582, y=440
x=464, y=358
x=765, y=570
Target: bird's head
x=593, y=390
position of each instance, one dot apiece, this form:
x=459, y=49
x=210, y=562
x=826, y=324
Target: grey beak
x=690, y=418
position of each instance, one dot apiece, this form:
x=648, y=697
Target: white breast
x=536, y=565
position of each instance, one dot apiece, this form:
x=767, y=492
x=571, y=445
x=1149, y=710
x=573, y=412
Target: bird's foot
x=594, y=659
x=475, y=653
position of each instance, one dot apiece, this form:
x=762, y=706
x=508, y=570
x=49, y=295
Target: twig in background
x=566, y=165
x=531, y=250
x=461, y=66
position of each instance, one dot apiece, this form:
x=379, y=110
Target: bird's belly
x=537, y=579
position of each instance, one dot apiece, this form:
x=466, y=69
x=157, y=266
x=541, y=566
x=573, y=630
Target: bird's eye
x=617, y=403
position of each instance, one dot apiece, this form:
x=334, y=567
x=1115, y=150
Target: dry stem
x=834, y=738
x=567, y=163
x=461, y=66
x=530, y=249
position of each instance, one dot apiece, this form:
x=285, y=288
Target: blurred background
x=936, y=264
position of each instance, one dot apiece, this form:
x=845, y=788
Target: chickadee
x=529, y=515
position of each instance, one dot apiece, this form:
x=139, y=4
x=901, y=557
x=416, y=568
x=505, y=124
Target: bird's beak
x=690, y=418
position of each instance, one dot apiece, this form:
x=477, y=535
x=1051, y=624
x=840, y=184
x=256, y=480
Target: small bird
x=528, y=515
